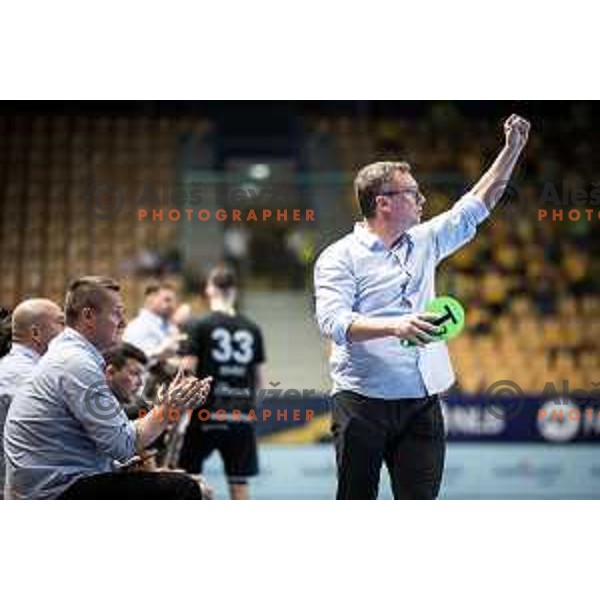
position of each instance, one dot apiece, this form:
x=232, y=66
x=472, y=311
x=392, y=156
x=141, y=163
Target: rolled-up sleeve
x=90, y=400
x=454, y=228
x=335, y=289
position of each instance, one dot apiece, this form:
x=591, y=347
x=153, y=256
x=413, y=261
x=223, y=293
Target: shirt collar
x=373, y=241
x=72, y=334
x=17, y=349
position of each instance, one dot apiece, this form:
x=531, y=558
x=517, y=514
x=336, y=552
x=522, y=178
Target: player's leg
x=239, y=450
x=359, y=433
x=238, y=490
x=415, y=458
x=197, y=446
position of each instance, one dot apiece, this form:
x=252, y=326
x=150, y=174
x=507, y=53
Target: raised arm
x=492, y=184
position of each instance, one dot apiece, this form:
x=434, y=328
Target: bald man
x=34, y=323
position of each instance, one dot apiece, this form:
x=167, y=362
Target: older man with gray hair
x=34, y=323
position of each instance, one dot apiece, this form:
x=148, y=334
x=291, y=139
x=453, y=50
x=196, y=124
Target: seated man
x=152, y=330
x=65, y=428
x=125, y=366
x=124, y=370
x=33, y=324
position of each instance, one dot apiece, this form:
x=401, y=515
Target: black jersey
x=229, y=348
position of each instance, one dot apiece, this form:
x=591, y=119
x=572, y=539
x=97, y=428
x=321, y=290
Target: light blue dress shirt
x=63, y=422
x=359, y=276
x=147, y=331
x=15, y=367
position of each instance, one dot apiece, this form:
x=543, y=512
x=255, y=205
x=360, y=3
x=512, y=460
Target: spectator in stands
x=65, y=428
x=34, y=323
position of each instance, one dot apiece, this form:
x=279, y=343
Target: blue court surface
x=473, y=471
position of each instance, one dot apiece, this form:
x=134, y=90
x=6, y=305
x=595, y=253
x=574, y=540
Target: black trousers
x=407, y=435
x=135, y=485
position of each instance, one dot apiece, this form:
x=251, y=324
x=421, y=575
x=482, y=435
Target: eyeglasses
x=414, y=193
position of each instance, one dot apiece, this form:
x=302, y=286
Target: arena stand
x=529, y=285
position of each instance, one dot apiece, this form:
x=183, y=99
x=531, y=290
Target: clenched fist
x=516, y=131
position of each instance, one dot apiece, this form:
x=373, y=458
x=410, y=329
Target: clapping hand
x=185, y=391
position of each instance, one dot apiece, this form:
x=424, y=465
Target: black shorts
x=235, y=442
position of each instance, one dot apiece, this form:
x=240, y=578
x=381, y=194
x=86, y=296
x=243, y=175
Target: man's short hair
x=87, y=292
x=370, y=182
x=223, y=278
x=152, y=288
x=118, y=355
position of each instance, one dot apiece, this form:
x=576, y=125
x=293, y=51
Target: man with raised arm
x=371, y=289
